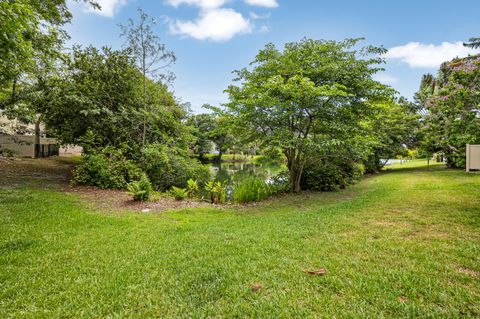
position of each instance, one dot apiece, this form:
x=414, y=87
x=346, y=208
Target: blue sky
x=211, y=38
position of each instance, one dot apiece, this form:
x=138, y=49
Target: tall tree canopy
x=473, y=43
x=26, y=27
x=150, y=54
x=452, y=109
x=310, y=98
x=97, y=101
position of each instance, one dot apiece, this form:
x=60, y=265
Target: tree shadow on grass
x=16, y=245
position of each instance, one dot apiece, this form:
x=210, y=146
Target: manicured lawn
x=400, y=244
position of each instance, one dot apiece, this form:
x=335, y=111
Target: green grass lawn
x=405, y=243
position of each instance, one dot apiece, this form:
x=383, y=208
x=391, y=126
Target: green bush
x=167, y=168
x=217, y=192
x=140, y=190
x=330, y=175
x=5, y=152
x=178, y=193
x=281, y=181
x=106, y=169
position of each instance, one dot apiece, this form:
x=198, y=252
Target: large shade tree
x=31, y=38
x=313, y=97
x=97, y=101
x=25, y=26
x=452, y=109
x=394, y=129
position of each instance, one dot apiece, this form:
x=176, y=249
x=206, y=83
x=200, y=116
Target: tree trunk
x=144, y=106
x=220, y=153
x=37, y=139
x=295, y=168
x=295, y=177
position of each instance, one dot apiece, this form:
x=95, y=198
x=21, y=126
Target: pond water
x=238, y=171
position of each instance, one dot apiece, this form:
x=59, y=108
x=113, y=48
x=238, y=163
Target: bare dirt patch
x=468, y=271
x=42, y=173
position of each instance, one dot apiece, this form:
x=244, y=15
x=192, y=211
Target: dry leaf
x=321, y=271
x=256, y=287
x=402, y=299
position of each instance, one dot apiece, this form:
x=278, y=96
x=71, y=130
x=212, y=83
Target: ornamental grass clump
x=253, y=189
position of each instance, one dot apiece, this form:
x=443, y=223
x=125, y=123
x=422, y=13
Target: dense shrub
x=281, y=181
x=140, y=190
x=106, y=169
x=167, y=168
x=330, y=175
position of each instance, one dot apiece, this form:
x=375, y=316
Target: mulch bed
x=55, y=172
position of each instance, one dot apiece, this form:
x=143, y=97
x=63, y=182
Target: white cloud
x=255, y=16
x=264, y=29
x=420, y=55
x=204, y=4
x=263, y=3
x=217, y=25
x=108, y=7
x=385, y=78
x=215, y=22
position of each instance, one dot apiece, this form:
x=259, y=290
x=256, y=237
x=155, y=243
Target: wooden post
x=468, y=158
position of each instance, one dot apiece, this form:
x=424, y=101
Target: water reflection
x=238, y=171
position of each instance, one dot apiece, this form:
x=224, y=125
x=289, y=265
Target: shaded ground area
x=55, y=173
x=404, y=244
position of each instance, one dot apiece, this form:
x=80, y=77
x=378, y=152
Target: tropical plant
x=192, y=188
x=178, y=193
x=140, y=190
x=217, y=192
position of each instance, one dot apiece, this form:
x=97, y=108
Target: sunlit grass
x=404, y=243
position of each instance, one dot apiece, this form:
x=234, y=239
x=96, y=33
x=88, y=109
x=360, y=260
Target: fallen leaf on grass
x=256, y=287
x=402, y=299
x=321, y=271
